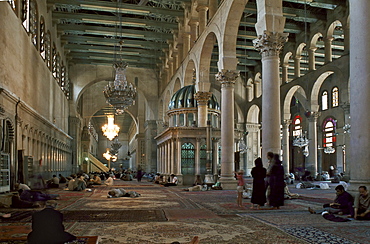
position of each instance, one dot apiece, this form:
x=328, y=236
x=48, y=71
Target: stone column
x=159, y=158
x=328, y=50
x=193, y=32
x=197, y=159
x=269, y=44
x=286, y=151
x=215, y=158
x=311, y=58
x=202, y=100
x=227, y=79
x=187, y=46
x=347, y=136
x=311, y=163
x=284, y=71
x=178, y=156
x=360, y=88
x=202, y=13
x=297, y=66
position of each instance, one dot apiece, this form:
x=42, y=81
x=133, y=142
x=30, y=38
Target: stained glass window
x=297, y=129
x=324, y=100
x=329, y=132
x=187, y=159
x=335, y=97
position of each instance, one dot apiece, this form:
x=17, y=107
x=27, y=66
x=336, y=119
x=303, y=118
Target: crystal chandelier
x=110, y=130
x=301, y=140
x=115, y=146
x=107, y=155
x=120, y=93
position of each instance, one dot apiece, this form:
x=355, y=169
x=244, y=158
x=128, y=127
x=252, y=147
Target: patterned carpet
x=168, y=214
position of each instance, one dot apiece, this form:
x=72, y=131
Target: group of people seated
x=166, y=181
x=357, y=207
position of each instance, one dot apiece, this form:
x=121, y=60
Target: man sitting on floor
x=362, y=204
x=343, y=203
x=47, y=227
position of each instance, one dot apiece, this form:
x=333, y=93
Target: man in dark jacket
x=47, y=227
x=343, y=203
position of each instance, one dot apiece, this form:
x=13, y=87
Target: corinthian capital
x=270, y=44
x=227, y=77
x=202, y=97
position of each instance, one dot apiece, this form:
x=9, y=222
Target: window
x=48, y=49
x=335, y=97
x=297, y=129
x=54, y=61
x=42, y=38
x=26, y=14
x=324, y=100
x=12, y=3
x=33, y=22
x=329, y=132
x=187, y=159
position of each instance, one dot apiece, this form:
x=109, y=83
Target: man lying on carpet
x=120, y=192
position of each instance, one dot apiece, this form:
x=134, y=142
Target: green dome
x=184, y=98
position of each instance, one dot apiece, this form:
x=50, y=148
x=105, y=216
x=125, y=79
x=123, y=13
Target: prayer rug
x=216, y=231
x=114, y=216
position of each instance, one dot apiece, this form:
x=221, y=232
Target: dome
x=184, y=98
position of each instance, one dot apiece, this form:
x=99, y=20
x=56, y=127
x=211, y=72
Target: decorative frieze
x=270, y=44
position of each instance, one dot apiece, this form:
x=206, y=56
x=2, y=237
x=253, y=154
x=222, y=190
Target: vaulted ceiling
x=91, y=30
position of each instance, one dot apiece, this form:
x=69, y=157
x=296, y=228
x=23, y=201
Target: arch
x=253, y=114
x=288, y=98
x=335, y=33
x=258, y=85
x=250, y=90
x=176, y=86
x=203, y=83
x=190, y=73
x=316, y=89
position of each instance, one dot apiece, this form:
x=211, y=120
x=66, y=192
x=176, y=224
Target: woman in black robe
x=259, y=190
x=277, y=184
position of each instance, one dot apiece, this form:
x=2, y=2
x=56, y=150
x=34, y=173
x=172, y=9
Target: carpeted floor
x=167, y=214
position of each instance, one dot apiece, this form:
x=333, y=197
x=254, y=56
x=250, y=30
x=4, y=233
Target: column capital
x=227, y=77
x=287, y=122
x=346, y=107
x=202, y=8
x=270, y=44
x=202, y=97
x=313, y=116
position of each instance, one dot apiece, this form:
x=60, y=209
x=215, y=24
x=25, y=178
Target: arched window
x=187, y=158
x=54, y=61
x=62, y=77
x=26, y=14
x=48, y=49
x=324, y=100
x=335, y=97
x=329, y=127
x=297, y=129
x=42, y=38
x=33, y=22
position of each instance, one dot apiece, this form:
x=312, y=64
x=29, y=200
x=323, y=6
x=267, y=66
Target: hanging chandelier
x=107, y=155
x=110, y=130
x=120, y=94
x=301, y=140
x=115, y=146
